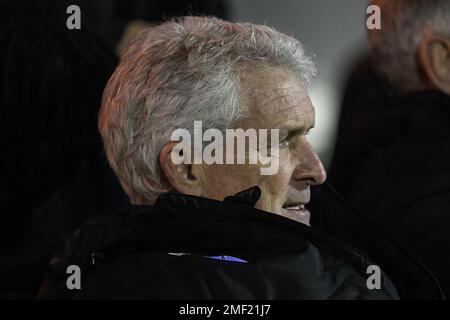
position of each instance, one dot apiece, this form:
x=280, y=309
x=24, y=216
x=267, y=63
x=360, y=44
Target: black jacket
x=187, y=247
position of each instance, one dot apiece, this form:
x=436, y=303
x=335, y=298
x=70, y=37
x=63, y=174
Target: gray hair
x=394, y=47
x=183, y=70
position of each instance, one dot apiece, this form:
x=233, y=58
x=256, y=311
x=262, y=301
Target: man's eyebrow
x=295, y=130
x=299, y=118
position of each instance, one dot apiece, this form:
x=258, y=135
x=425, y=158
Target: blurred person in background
x=393, y=148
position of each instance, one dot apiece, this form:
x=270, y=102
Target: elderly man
x=187, y=236
x=400, y=157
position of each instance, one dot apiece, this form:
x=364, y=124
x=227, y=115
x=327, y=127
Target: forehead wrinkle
x=258, y=92
x=268, y=102
x=301, y=117
x=284, y=95
x=290, y=107
x=272, y=113
x=275, y=99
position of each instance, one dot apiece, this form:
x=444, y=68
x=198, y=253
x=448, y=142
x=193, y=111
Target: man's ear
x=183, y=178
x=434, y=60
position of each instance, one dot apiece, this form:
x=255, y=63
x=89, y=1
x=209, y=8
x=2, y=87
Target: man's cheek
x=226, y=180
x=280, y=180
x=269, y=201
x=264, y=202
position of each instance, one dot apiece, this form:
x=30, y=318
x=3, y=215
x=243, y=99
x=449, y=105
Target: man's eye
x=284, y=142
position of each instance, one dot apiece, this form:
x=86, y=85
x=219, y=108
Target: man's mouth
x=297, y=212
x=294, y=207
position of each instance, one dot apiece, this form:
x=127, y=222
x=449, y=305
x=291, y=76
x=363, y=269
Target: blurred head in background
x=412, y=48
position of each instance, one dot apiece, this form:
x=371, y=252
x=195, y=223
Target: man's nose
x=309, y=169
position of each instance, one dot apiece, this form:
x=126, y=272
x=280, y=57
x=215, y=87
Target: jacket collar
x=337, y=227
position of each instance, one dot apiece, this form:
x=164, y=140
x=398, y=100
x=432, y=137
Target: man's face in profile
x=274, y=99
